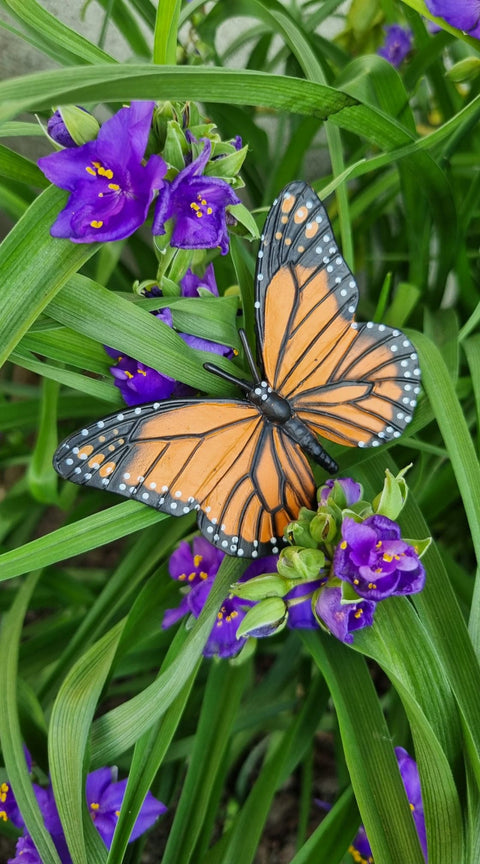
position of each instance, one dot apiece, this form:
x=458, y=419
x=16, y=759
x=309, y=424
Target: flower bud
x=264, y=619
x=296, y=562
x=72, y=126
x=260, y=587
x=323, y=527
x=298, y=532
x=393, y=496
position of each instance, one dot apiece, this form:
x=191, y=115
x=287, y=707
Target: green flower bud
x=324, y=527
x=264, y=619
x=298, y=532
x=393, y=496
x=296, y=562
x=260, y=587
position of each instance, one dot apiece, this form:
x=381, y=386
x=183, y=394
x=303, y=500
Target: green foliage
x=88, y=677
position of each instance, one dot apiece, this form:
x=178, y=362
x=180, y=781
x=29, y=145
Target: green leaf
x=34, y=266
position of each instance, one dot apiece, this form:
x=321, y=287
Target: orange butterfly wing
x=352, y=383
x=246, y=478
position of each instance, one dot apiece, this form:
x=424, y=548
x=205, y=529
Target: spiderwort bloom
x=197, y=568
x=139, y=383
x=376, y=561
x=464, y=14
x=197, y=205
x=342, y=619
x=398, y=43
x=360, y=850
x=111, y=189
x=104, y=799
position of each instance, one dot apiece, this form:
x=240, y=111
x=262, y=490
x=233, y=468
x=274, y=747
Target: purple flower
x=139, y=383
x=299, y=603
x=25, y=852
x=342, y=619
x=376, y=561
x=57, y=130
x=197, y=568
x=104, y=799
x=360, y=849
x=197, y=205
x=398, y=43
x=464, y=14
x=111, y=189
x=352, y=491
x=190, y=283
x=9, y=811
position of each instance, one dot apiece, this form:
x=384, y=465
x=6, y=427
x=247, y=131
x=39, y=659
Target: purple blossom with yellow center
x=197, y=205
x=343, y=619
x=376, y=561
x=104, y=799
x=464, y=14
x=197, y=567
x=139, y=383
x=111, y=188
x=398, y=43
x=360, y=849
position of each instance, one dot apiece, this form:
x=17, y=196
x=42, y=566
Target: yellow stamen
x=203, y=575
x=343, y=544
x=358, y=613
x=114, y=186
x=378, y=545
x=356, y=581
x=387, y=557
x=372, y=585
x=94, y=806
x=197, y=560
x=91, y=171
x=412, y=806
x=96, y=223
x=128, y=374
x=199, y=214
x=97, y=164
x=3, y=816
x=209, y=211
x=141, y=372
x=182, y=576
x=105, y=172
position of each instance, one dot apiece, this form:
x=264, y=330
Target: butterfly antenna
x=240, y=382
x=249, y=356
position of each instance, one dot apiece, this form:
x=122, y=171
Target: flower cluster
x=139, y=383
x=360, y=849
x=112, y=182
x=104, y=795
x=348, y=555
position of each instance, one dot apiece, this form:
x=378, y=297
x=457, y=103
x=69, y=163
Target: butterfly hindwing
x=245, y=478
x=353, y=383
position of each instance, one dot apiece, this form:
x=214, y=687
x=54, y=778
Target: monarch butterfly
x=241, y=463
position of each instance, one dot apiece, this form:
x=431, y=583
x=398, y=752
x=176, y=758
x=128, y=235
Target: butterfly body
x=240, y=463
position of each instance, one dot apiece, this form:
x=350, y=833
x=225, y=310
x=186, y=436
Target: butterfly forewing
x=246, y=480
x=355, y=384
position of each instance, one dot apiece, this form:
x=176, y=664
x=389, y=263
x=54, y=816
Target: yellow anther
x=202, y=202
x=378, y=545
x=128, y=374
x=219, y=616
x=94, y=806
x=197, y=560
x=191, y=576
x=114, y=187
x=182, y=576
x=100, y=195
x=387, y=557
x=141, y=372
x=356, y=581
x=412, y=806
x=209, y=211
x=343, y=544
x=117, y=813
x=91, y=170
x=96, y=223
x=105, y=172
x=358, y=613
x=203, y=575
x=199, y=214
x=372, y=585
x=234, y=614
x=97, y=164
x=194, y=206
x=3, y=816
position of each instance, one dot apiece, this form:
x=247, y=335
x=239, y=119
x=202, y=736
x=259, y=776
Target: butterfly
x=241, y=463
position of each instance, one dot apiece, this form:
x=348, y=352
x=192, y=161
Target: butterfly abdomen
x=298, y=431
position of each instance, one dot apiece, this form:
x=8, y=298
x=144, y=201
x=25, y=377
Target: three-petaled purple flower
x=197, y=567
x=360, y=850
x=342, y=619
x=376, y=561
x=111, y=187
x=464, y=14
x=398, y=43
x=104, y=796
x=197, y=205
x=139, y=383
